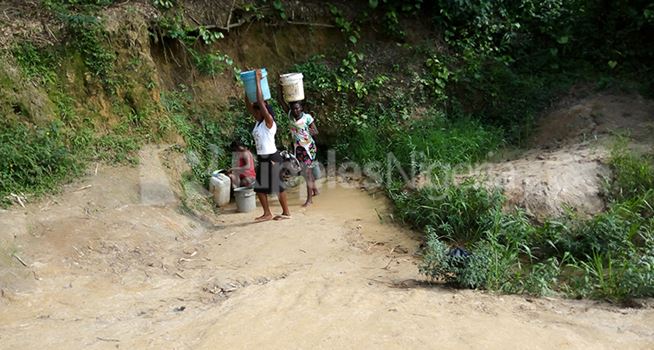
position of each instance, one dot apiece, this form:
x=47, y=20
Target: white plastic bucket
x=245, y=199
x=219, y=186
x=292, y=86
x=250, y=84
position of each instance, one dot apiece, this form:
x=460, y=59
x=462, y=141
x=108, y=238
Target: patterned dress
x=303, y=143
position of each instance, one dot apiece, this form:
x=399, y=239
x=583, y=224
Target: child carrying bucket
x=303, y=128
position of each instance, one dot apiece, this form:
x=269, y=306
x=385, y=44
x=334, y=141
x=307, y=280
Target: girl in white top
x=269, y=161
x=264, y=136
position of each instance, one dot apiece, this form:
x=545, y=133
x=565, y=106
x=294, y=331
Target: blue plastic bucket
x=250, y=84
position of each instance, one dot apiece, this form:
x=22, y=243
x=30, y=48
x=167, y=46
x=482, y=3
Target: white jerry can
x=219, y=186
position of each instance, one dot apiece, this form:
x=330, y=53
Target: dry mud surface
x=112, y=263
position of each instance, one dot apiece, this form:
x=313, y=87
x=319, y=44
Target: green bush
x=489, y=264
x=89, y=38
x=608, y=277
x=33, y=160
x=36, y=63
x=117, y=148
x=541, y=278
x=632, y=175
x=207, y=136
x=318, y=76
x=460, y=213
x=608, y=256
x=459, y=141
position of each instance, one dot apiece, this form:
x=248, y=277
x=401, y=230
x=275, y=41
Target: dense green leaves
x=631, y=176
x=33, y=160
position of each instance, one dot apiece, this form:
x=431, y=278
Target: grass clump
x=38, y=154
x=206, y=135
x=608, y=256
x=458, y=214
x=34, y=160
x=632, y=175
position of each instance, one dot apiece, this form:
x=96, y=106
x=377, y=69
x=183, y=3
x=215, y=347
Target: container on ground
x=245, y=199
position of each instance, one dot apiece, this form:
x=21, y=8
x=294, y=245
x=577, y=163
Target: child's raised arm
x=262, y=103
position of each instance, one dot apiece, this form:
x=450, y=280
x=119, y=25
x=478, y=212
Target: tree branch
x=229, y=18
x=325, y=25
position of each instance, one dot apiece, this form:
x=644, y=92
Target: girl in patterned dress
x=303, y=128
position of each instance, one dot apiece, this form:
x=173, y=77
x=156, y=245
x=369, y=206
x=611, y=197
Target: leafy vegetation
x=352, y=31
x=39, y=155
x=165, y=4
x=205, y=140
x=195, y=41
x=207, y=136
x=632, y=176
x=608, y=256
x=279, y=7
x=33, y=160
x=86, y=31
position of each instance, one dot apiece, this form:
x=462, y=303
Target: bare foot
x=315, y=193
x=306, y=204
x=264, y=217
x=282, y=217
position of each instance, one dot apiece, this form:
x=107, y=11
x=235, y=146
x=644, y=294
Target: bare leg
x=235, y=180
x=310, y=187
x=267, y=215
x=314, y=188
x=283, y=201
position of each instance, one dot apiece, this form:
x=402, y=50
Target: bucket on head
x=292, y=86
x=250, y=84
x=245, y=199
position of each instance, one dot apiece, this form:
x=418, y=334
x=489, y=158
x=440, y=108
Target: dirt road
x=110, y=266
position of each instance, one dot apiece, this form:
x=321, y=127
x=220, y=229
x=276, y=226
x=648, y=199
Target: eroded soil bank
x=565, y=166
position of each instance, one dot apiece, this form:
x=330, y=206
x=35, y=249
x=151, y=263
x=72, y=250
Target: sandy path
x=106, y=271
x=154, y=184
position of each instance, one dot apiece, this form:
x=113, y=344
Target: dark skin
x=233, y=173
x=258, y=109
x=296, y=111
x=261, y=114
x=296, y=108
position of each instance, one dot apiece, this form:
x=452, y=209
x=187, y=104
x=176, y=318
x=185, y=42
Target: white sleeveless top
x=264, y=138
